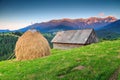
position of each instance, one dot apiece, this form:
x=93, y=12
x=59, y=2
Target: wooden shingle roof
x=72, y=36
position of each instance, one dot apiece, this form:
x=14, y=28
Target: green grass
x=119, y=74
x=99, y=60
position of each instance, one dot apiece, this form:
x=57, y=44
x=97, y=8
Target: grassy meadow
x=93, y=62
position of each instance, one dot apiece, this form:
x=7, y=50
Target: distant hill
x=112, y=27
x=111, y=31
x=6, y=30
x=68, y=24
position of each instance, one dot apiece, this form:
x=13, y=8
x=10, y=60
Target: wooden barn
x=74, y=38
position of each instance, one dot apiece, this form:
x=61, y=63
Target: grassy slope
x=100, y=61
x=119, y=75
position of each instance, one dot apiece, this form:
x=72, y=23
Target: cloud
x=101, y=14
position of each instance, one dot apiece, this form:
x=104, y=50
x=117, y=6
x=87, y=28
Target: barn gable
x=92, y=38
x=74, y=38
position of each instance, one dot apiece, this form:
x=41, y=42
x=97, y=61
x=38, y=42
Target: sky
x=16, y=14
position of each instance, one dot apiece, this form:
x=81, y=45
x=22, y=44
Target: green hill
x=98, y=61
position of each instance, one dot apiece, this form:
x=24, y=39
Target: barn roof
x=72, y=36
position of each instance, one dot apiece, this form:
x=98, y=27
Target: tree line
x=8, y=41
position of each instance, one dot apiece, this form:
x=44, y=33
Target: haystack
x=31, y=45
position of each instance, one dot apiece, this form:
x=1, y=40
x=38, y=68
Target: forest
x=8, y=41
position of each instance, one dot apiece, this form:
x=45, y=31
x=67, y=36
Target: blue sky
x=15, y=14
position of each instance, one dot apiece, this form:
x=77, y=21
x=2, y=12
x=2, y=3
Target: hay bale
x=31, y=45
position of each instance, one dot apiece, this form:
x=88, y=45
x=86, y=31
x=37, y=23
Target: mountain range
x=108, y=27
x=68, y=24
x=5, y=30
x=110, y=31
x=112, y=27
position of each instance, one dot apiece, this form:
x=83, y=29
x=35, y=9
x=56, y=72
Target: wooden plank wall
x=65, y=46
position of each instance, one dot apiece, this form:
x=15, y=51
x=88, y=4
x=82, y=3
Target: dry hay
x=31, y=45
